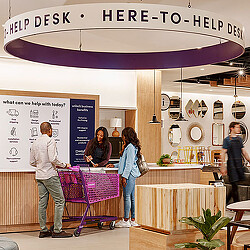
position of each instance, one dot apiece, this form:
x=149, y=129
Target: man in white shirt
x=43, y=156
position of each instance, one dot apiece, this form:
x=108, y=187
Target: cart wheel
x=100, y=225
x=112, y=225
x=76, y=232
x=52, y=228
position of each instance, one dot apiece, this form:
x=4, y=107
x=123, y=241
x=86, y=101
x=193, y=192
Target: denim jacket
x=127, y=164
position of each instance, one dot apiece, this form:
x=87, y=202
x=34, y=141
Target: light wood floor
x=90, y=239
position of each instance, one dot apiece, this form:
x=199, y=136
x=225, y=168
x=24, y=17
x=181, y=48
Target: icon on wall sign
x=13, y=151
x=13, y=112
x=13, y=131
x=55, y=132
x=34, y=114
x=33, y=132
x=54, y=114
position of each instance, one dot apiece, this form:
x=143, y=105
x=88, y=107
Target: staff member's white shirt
x=43, y=156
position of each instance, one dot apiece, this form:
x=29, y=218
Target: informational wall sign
x=82, y=122
x=21, y=117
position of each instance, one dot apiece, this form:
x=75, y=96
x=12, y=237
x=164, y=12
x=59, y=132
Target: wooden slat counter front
x=161, y=206
x=19, y=195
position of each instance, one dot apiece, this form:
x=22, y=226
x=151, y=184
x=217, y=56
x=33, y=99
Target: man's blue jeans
x=129, y=197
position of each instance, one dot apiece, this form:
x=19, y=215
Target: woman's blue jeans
x=129, y=197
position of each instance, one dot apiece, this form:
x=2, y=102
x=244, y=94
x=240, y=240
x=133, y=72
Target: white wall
x=205, y=122
x=107, y=114
x=116, y=88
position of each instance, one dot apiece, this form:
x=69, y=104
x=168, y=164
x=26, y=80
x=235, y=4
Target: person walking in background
x=129, y=171
x=43, y=156
x=98, y=150
x=233, y=147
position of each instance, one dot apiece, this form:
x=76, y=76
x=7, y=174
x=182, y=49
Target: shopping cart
x=89, y=188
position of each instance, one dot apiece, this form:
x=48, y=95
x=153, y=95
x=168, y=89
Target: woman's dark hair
x=131, y=137
x=105, y=143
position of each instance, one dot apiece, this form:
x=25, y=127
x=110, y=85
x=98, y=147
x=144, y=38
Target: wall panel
x=149, y=134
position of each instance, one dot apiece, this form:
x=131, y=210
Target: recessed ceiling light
x=210, y=90
x=198, y=47
x=231, y=63
x=202, y=69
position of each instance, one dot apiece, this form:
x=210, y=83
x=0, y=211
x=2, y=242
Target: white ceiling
x=238, y=10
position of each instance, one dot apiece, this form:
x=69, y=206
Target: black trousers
x=233, y=193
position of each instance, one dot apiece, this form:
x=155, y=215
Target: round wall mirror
x=195, y=133
x=238, y=110
x=174, y=135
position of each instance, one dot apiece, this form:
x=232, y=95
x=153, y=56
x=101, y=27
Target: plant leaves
x=222, y=222
x=190, y=245
x=211, y=244
x=197, y=222
x=209, y=225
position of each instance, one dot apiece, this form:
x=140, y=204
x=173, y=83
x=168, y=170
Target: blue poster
x=82, y=128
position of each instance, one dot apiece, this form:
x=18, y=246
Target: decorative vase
x=166, y=160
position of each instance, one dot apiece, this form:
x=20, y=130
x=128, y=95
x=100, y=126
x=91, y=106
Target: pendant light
x=154, y=119
x=181, y=117
x=239, y=73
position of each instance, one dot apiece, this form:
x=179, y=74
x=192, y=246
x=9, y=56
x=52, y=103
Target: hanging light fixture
x=154, y=119
x=240, y=72
x=181, y=117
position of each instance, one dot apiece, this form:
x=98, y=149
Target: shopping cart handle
x=75, y=168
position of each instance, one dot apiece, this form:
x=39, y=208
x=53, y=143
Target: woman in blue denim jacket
x=129, y=171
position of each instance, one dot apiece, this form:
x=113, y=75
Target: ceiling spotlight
x=241, y=72
x=231, y=64
x=202, y=69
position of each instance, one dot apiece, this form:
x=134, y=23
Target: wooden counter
x=19, y=196
x=162, y=206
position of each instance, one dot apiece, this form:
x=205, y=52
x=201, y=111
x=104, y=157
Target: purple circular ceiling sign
x=123, y=36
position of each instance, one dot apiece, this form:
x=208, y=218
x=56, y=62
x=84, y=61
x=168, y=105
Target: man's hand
x=68, y=165
x=110, y=165
x=223, y=170
x=124, y=182
x=95, y=165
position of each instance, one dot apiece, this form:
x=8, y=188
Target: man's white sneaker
x=123, y=223
x=133, y=223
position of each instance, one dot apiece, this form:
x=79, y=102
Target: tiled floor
x=90, y=239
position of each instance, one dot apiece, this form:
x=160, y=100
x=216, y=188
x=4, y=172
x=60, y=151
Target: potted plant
x=164, y=160
x=208, y=226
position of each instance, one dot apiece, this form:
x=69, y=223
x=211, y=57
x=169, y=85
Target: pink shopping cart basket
x=89, y=188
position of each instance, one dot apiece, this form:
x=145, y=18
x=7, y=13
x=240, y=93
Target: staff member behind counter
x=98, y=150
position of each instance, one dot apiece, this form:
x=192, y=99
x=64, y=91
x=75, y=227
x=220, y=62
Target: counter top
x=152, y=166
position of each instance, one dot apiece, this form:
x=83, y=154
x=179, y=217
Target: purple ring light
x=105, y=60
